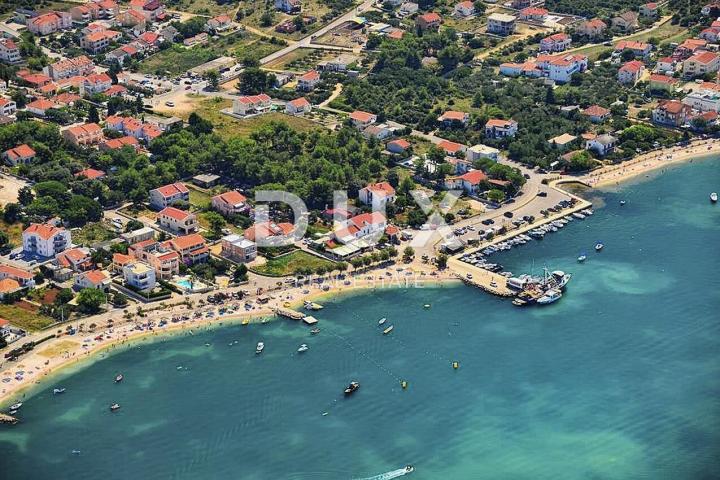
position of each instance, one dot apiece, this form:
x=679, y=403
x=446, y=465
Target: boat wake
x=388, y=475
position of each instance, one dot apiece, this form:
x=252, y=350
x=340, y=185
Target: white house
x=139, y=275
x=167, y=195
x=469, y=182
x=377, y=194
x=704, y=100
x=631, y=72
x=230, y=203
x=249, y=104
x=238, y=248
x=362, y=120
x=557, y=42
x=307, y=81
x=477, y=152
x=464, y=9
x=177, y=221
x=497, y=128
x=601, y=144
x=298, y=106
x=45, y=240
x=361, y=226
x=96, y=279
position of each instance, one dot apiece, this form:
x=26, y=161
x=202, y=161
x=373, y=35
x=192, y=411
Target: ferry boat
x=713, y=197
x=552, y=295
x=119, y=378
x=312, y=306
x=260, y=347
x=114, y=407
x=388, y=329
x=303, y=348
x=352, y=388
x=599, y=246
x=57, y=391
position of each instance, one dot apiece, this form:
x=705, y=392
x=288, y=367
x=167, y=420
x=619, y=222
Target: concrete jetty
x=289, y=313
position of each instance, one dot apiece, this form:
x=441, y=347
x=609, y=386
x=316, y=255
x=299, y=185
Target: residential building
x=362, y=226
x=219, y=23
x=666, y=65
x=84, y=135
x=498, y=128
x=407, y=9
x=76, y=259
x=601, y=144
x=70, y=67
x=20, y=155
x=464, y=9
x=90, y=174
x=238, y=248
x=289, y=6
x=378, y=195
x=163, y=259
x=98, y=41
x=627, y=21
x=40, y=106
x=361, y=120
x=451, y=117
x=96, y=279
x=230, y=203
x=501, y=24
x=133, y=127
x=631, y=72
x=263, y=230
x=117, y=143
x=662, y=83
x=428, y=21
x=192, y=248
x=536, y=14
x=689, y=47
x=199, y=39
x=710, y=34
x=700, y=64
x=108, y=8
x=139, y=235
x=594, y=28
x=132, y=19
x=9, y=51
x=95, y=83
x=562, y=141
x=251, y=104
x=45, y=240
x=139, y=275
x=151, y=39
x=339, y=63
x=672, y=113
x=7, y=107
x=35, y=80
x=596, y=113
x=298, y=106
x=639, y=49
x=557, y=42
x=398, y=146
x=167, y=195
x=476, y=152
x=380, y=131
x=471, y=182
x=177, y=221
x=84, y=13
x=24, y=278
x=562, y=69
x=152, y=10
x=307, y=81
x=49, y=23
x=650, y=10
x=451, y=148
x=703, y=100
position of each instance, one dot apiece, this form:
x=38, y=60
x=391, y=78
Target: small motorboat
x=114, y=407
x=713, y=197
x=119, y=378
x=599, y=246
x=76, y=452
x=582, y=258
x=382, y=320
x=622, y=202
x=57, y=391
x=312, y=306
x=552, y=295
x=314, y=331
x=409, y=469
x=16, y=406
x=352, y=388
x=427, y=305
x=303, y=348
x=388, y=329
x=260, y=347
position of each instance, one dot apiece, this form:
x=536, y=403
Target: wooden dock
x=289, y=313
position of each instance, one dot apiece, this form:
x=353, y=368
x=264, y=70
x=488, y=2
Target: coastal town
x=135, y=135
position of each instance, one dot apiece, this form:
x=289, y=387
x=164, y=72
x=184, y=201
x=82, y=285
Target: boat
x=119, y=378
x=622, y=202
x=260, y=347
x=58, y=390
x=561, y=278
x=427, y=305
x=303, y=348
x=578, y=215
x=599, y=246
x=388, y=329
x=352, y=388
x=76, y=452
x=312, y=306
x=314, y=331
x=114, y=407
x=550, y=296
x=382, y=320
x=16, y=406
x=409, y=469
x=713, y=197
x=582, y=258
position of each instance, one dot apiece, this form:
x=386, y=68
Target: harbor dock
x=289, y=313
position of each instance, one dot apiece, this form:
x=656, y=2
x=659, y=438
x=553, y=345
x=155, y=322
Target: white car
x=170, y=104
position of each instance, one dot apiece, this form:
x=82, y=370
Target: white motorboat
x=552, y=295
x=16, y=406
x=57, y=391
x=303, y=348
x=622, y=202
x=587, y=212
x=312, y=306
x=561, y=278
x=713, y=197
x=578, y=215
x=582, y=258
x=382, y=320
x=114, y=407
x=599, y=246
x=260, y=347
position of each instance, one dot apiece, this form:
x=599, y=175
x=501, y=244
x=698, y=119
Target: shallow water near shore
x=619, y=379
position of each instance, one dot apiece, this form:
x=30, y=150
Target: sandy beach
x=67, y=351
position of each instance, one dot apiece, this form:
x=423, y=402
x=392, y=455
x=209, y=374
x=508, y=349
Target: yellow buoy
x=456, y=365
x=404, y=384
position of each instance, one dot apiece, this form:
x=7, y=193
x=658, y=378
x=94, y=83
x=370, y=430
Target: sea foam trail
x=388, y=475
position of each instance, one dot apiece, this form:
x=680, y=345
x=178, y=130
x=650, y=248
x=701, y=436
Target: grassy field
x=199, y=199
x=13, y=231
x=179, y=59
x=202, y=7
x=23, y=318
x=227, y=126
x=290, y=263
x=301, y=59
x=252, y=10
x=92, y=233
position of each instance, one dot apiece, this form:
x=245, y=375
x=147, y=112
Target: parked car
x=508, y=214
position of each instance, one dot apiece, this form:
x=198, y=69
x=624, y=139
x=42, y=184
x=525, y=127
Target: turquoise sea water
x=618, y=380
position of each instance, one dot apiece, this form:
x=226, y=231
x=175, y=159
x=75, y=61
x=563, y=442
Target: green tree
x=93, y=115
x=89, y=300
x=213, y=78
x=4, y=239
x=25, y=196
x=64, y=296
x=216, y=222
x=496, y=195
x=241, y=273
x=441, y=261
x=408, y=254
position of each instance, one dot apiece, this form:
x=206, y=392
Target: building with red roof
x=49, y=23
x=498, y=128
x=428, y=21
x=24, y=278
x=95, y=279
x=265, y=230
x=90, y=174
x=630, y=72
x=398, y=146
x=70, y=67
x=84, y=135
x=308, y=80
x=230, y=203
x=45, y=240
x=556, y=42
x=117, y=143
x=671, y=113
x=167, y=195
x=701, y=63
x=471, y=182
x=596, y=113
x=451, y=116
x=362, y=120
x=378, y=195
x=76, y=259
x=191, y=248
x=177, y=221
x=464, y=9
x=534, y=13
x=20, y=155
x=298, y=106
x=251, y=104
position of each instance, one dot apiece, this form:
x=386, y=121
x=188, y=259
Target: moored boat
x=388, y=329
x=259, y=348
x=57, y=391
x=114, y=407
x=582, y=258
x=599, y=246
x=303, y=348
x=382, y=320
x=16, y=406
x=314, y=331
x=714, y=197
x=550, y=296
x=312, y=306
x=352, y=388
x=119, y=378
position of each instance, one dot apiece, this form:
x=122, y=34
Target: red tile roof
x=633, y=66
x=361, y=116
x=90, y=173
x=450, y=147
x=21, y=151
x=383, y=188
x=187, y=241
x=233, y=197
x=300, y=102
x=453, y=115
x=172, y=189
x=43, y=230
x=596, y=111
x=310, y=76
x=474, y=177
x=703, y=57
x=174, y=213
x=15, y=272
